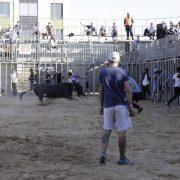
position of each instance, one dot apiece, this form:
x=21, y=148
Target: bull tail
x=24, y=92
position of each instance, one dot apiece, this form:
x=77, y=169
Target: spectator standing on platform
x=114, y=90
x=57, y=77
x=176, y=78
x=14, y=81
x=145, y=81
x=47, y=77
x=128, y=23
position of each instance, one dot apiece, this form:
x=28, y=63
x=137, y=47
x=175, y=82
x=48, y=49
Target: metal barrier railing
x=79, y=56
x=164, y=48
x=168, y=67
x=74, y=26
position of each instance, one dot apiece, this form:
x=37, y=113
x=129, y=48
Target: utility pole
x=13, y=13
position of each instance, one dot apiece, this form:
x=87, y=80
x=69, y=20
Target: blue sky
x=117, y=9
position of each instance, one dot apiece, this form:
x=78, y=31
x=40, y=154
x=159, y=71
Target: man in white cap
x=115, y=92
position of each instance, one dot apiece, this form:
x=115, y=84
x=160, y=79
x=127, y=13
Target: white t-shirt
x=177, y=80
x=145, y=81
x=14, y=77
x=151, y=29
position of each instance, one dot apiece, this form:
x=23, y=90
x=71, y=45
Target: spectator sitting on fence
x=171, y=30
x=18, y=28
x=52, y=43
x=102, y=32
x=12, y=36
x=90, y=29
x=48, y=30
x=150, y=32
x=36, y=31
x=176, y=29
x=114, y=31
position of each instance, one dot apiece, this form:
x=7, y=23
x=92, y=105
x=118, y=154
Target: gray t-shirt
x=112, y=79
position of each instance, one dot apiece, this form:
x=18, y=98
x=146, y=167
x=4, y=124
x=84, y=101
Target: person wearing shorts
x=136, y=95
x=115, y=91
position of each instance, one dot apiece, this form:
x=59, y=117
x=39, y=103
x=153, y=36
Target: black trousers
x=145, y=89
x=129, y=30
x=176, y=94
x=14, y=89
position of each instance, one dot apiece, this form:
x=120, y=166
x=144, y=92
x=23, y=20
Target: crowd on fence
x=13, y=35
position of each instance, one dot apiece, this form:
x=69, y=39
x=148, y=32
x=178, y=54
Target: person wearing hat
x=115, y=91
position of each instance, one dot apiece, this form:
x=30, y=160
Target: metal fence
x=78, y=56
x=162, y=54
x=75, y=26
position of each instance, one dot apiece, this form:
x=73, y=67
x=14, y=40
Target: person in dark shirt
x=47, y=77
x=57, y=77
x=90, y=29
x=115, y=91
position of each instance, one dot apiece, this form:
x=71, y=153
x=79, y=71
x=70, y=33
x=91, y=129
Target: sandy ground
x=61, y=140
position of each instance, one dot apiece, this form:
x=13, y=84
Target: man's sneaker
x=124, y=161
x=140, y=109
x=103, y=158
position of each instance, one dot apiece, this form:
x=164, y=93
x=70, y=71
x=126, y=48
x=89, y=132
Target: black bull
x=62, y=90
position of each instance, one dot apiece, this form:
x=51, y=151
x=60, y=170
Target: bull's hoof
x=41, y=99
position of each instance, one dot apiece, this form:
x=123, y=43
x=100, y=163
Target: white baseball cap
x=114, y=56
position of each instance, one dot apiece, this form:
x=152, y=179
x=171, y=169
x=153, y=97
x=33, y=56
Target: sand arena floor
x=61, y=140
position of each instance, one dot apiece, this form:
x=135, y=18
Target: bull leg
x=21, y=95
x=41, y=99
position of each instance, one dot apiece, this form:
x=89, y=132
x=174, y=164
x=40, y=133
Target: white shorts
x=117, y=117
